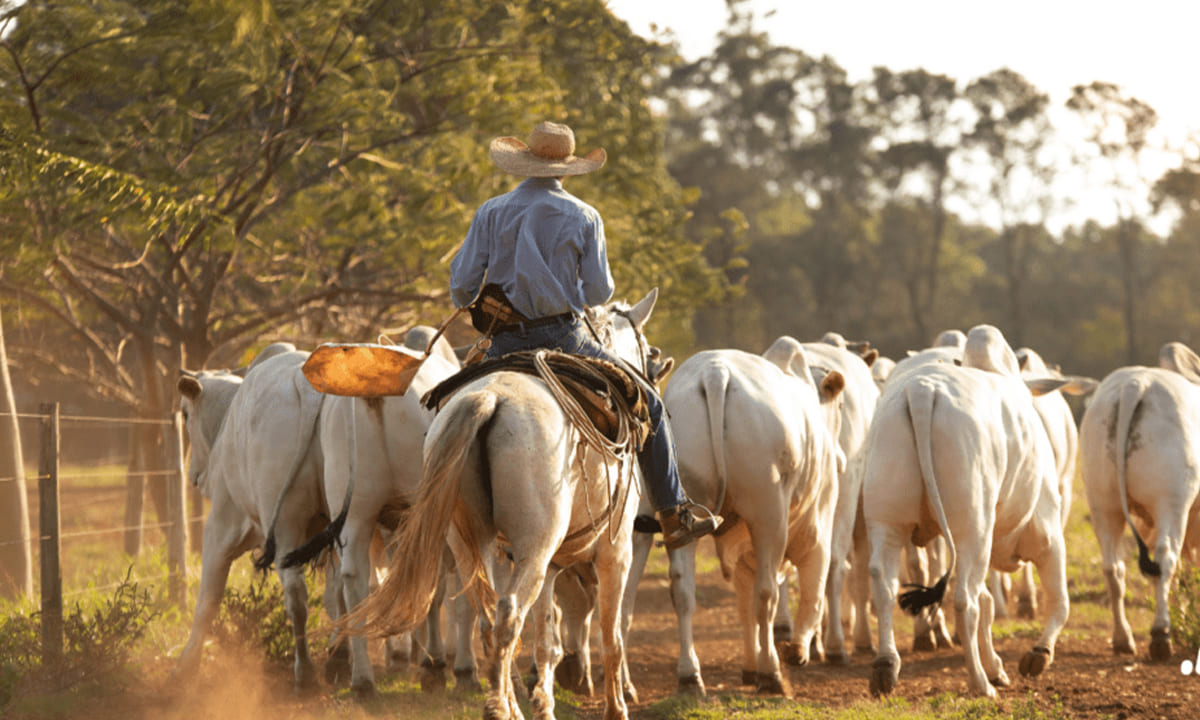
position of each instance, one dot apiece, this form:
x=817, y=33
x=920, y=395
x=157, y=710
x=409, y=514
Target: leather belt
x=524, y=325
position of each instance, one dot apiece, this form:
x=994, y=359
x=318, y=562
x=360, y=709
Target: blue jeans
x=657, y=456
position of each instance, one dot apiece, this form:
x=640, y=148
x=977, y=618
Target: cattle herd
x=848, y=483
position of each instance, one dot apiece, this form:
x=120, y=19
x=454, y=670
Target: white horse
x=503, y=459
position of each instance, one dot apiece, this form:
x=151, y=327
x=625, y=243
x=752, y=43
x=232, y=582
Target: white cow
x=253, y=455
x=372, y=449
x=756, y=437
x=858, y=401
x=1059, y=422
x=961, y=452
x=1140, y=440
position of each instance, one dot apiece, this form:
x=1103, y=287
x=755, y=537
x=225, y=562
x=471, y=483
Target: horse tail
x=1127, y=404
x=402, y=600
x=920, y=411
x=716, y=386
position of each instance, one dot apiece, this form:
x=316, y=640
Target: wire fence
x=102, y=505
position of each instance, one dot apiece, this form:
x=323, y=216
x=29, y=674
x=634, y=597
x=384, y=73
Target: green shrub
x=95, y=644
x=1185, y=607
x=254, y=620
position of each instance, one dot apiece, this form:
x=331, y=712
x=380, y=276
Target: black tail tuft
x=1146, y=564
x=646, y=524
x=311, y=549
x=921, y=597
x=263, y=562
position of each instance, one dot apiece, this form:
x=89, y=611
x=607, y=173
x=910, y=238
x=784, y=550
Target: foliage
x=96, y=643
x=253, y=619
x=1185, y=607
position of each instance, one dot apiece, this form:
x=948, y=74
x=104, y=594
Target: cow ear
x=640, y=313
x=1044, y=386
x=1177, y=357
x=189, y=386
x=1078, y=385
x=870, y=356
x=832, y=385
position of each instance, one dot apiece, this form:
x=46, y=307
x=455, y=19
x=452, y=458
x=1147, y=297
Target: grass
x=941, y=707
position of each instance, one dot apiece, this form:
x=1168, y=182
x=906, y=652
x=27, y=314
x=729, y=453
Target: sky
x=1148, y=47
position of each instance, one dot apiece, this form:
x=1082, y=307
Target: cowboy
x=544, y=248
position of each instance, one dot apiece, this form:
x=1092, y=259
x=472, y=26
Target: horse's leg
x=528, y=577
x=547, y=648
x=643, y=542
x=575, y=592
x=683, y=598
x=612, y=572
x=433, y=652
x=466, y=675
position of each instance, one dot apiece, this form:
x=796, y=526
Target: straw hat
x=548, y=154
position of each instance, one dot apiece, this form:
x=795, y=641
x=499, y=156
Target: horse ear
x=640, y=313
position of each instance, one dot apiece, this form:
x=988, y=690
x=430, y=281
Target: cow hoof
x=397, y=662
x=783, y=633
x=433, y=679
x=924, y=642
x=943, y=639
x=885, y=671
x=569, y=673
x=629, y=692
x=1035, y=662
x=749, y=677
x=364, y=691
x=692, y=685
x=769, y=683
x=836, y=658
x=1160, y=644
x=466, y=681
x=337, y=667
x=864, y=649
x=1025, y=609
x=790, y=653
x=1001, y=680
x=1124, y=647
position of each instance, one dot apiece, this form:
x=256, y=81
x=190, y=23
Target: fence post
x=177, y=517
x=135, y=491
x=51, y=540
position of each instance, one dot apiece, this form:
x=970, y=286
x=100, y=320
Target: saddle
x=602, y=389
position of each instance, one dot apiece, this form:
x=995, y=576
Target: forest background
x=182, y=183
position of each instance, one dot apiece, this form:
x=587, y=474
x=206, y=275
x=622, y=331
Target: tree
x=325, y=157
x=1118, y=128
x=1011, y=129
x=16, y=563
x=913, y=114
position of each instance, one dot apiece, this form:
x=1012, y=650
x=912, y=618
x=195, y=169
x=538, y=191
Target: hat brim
x=513, y=156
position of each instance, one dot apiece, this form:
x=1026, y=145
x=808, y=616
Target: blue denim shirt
x=542, y=245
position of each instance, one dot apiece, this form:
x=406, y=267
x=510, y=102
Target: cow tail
x=326, y=538
x=716, y=386
x=402, y=600
x=1130, y=398
x=920, y=411
x=308, y=423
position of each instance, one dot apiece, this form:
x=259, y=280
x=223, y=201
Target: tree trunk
x=1126, y=248
x=16, y=562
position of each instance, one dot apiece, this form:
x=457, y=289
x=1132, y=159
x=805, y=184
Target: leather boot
x=680, y=525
